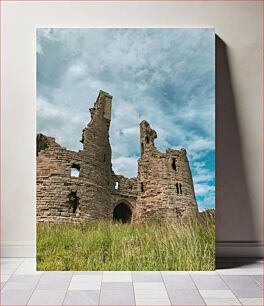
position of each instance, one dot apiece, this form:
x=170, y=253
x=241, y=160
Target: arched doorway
x=122, y=213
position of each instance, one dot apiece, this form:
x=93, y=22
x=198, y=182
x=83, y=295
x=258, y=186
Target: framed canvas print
x=125, y=149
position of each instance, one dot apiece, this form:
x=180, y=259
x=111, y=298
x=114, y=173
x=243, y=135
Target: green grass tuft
x=108, y=246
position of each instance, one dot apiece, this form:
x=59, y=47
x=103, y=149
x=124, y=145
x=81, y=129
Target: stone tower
x=76, y=186
x=95, y=164
x=165, y=185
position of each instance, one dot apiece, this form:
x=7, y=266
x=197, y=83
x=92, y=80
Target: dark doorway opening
x=74, y=201
x=122, y=213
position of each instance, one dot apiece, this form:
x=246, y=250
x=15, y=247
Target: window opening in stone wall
x=177, y=188
x=173, y=165
x=147, y=139
x=142, y=186
x=104, y=158
x=142, y=148
x=74, y=201
x=116, y=185
x=178, y=212
x=180, y=188
x=75, y=170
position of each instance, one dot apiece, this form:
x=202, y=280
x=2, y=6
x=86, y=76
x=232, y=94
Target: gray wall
x=239, y=107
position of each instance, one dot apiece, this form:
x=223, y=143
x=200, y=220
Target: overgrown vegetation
x=105, y=246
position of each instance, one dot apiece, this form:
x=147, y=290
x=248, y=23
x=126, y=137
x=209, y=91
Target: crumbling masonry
x=75, y=186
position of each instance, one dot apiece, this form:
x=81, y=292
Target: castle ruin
x=76, y=186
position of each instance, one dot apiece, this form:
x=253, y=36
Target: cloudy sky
x=165, y=76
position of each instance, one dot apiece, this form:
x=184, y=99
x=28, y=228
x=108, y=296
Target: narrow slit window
x=142, y=187
x=180, y=188
x=104, y=158
x=75, y=170
x=147, y=139
x=173, y=164
x=74, y=201
x=177, y=188
x=116, y=185
x=142, y=148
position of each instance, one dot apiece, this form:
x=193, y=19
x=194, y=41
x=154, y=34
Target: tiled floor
x=236, y=282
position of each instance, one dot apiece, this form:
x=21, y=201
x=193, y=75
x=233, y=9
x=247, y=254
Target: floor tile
x=12, y=259
x=222, y=301
x=88, y=273
x=146, y=276
x=54, y=281
x=47, y=297
x=59, y=273
x=240, y=282
x=150, y=302
x=117, y=297
x=178, y=282
x=217, y=294
x=20, y=285
x=27, y=268
x=233, y=271
x=15, y=297
x=174, y=272
x=30, y=260
x=5, y=277
x=248, y=293
x=244, y=279
x=24, y=278
x=87, y=278
x=151, y=294
x=209, y=282
x=255, y=271
x=258, y=279
x=11, y=265
x=85, y=286
x=8, y=270
x=149, y=286
x=87, y=297
x=117, y=286
x=251, y=301
x=203, y=273
x=185, y=297
x=117, y=277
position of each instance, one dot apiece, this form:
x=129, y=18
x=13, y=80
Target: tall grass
x=99, y=245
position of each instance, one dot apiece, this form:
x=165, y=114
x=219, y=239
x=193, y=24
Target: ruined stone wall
x=163, y=187
x=164, y=181
x=92, y=187
x=125, y=191
x=54, y=183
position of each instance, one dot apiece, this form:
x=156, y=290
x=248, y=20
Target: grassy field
x=110, y=246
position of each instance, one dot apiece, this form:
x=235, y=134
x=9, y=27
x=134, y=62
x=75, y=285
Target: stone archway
x=122, y=213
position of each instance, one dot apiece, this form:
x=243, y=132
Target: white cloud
x=76, y=71
x=202, y=189
x=59, y=122
x=125, y=166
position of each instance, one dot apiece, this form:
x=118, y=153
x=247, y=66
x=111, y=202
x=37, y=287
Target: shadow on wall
x=234, y=216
